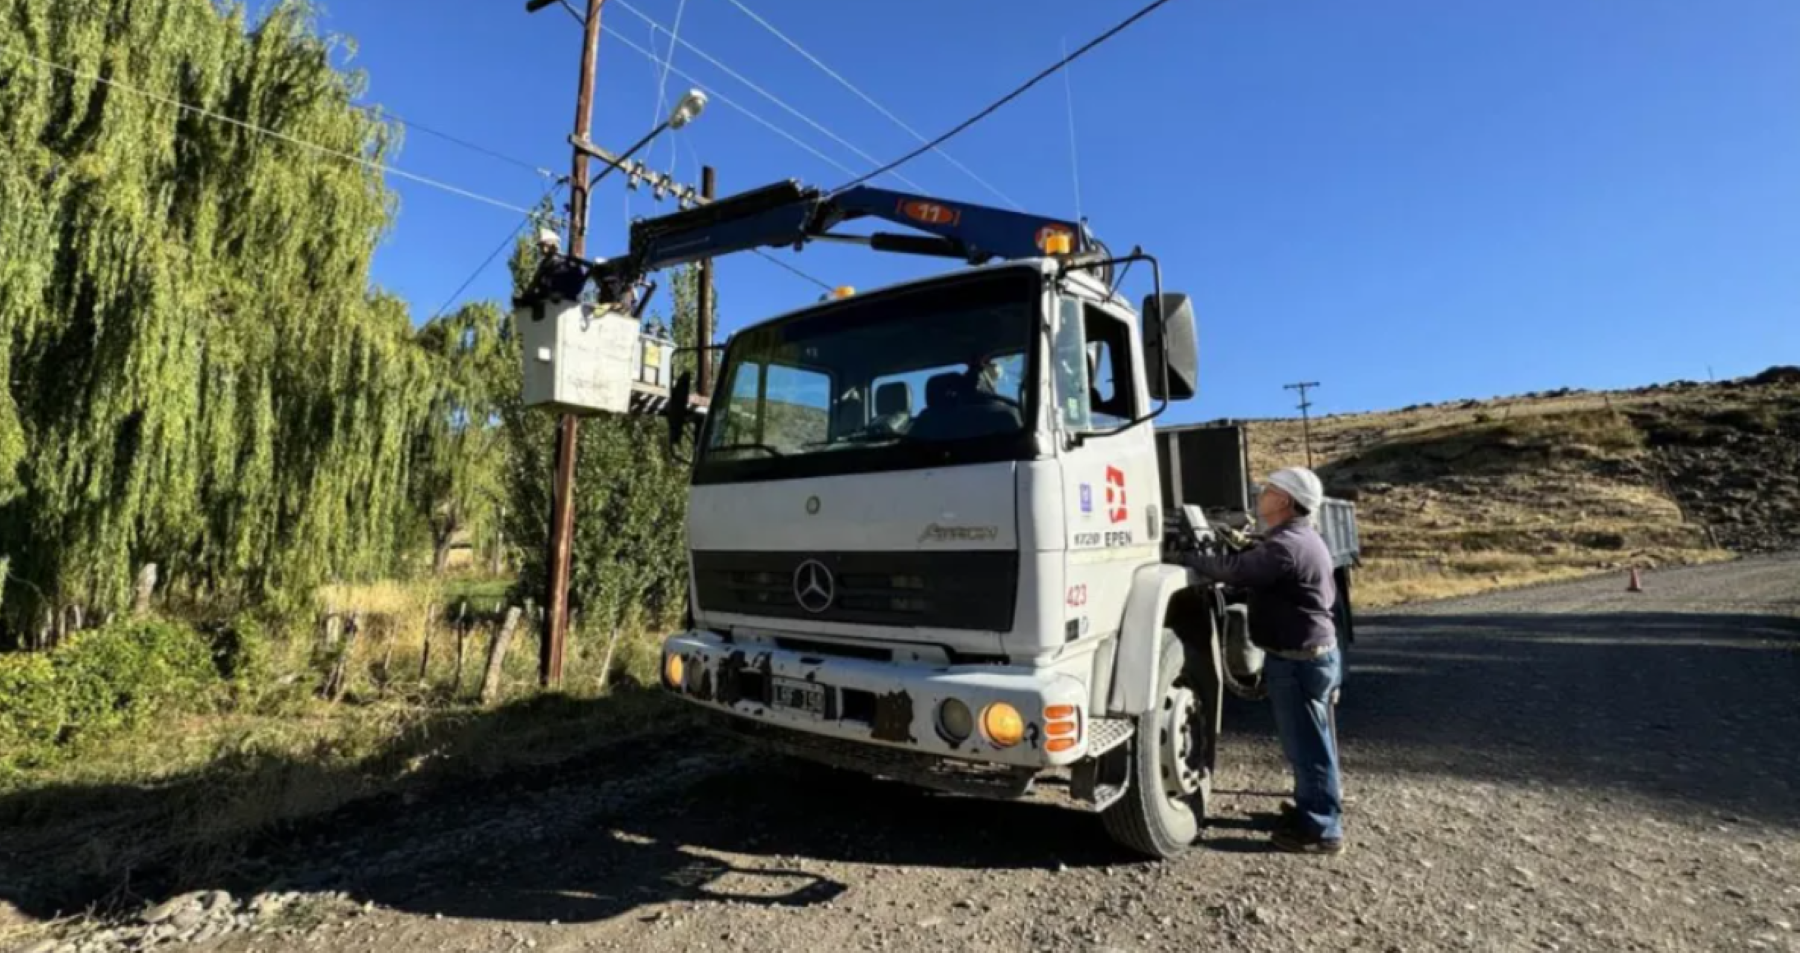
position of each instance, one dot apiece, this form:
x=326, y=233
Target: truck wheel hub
x=1181, y=775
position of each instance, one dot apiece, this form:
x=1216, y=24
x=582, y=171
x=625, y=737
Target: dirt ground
x=1562, y=768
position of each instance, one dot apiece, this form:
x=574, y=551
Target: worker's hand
x=1234, y=538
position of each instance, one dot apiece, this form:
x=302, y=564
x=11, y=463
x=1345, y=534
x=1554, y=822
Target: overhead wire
x=865, y=97
x=662, y=80
x=511, y=236
x=1074, y=156
x=271, y=133
x=791, y=268
x=668, y=66
x=996, y=105
x=753, y=86
x=382, y=112
x=721, y=97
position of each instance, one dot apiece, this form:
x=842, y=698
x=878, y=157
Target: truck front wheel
x=1171, y=780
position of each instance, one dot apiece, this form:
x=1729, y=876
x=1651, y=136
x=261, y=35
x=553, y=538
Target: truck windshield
x=924, y=376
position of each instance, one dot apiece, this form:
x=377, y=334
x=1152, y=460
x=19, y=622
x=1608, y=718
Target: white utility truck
x=928, y=524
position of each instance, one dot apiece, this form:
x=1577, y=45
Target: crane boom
x=786, y=214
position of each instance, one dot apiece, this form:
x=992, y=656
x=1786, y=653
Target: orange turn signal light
x=1057, y=729
x=1060, y=744
x=1059, y=712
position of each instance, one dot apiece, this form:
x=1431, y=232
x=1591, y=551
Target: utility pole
x=568, y=429
x=1305, y=417
x=705, y=303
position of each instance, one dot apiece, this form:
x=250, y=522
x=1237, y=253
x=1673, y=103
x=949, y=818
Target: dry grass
x=187, y=797
x=1384, y=582
x=1466, y=497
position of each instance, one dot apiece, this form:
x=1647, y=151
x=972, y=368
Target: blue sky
x=1407, y=200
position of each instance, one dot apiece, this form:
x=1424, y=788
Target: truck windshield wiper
x=771, y=451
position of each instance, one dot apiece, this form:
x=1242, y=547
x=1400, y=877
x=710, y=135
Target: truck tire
x=1160, y=814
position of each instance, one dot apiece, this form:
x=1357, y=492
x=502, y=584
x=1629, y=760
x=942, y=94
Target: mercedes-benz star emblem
x=813, y=586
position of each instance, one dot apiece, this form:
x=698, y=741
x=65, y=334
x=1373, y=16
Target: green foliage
x=31, y=710
x=97, y=684
x=193, y=370
x=241, y=651
x=459, y=466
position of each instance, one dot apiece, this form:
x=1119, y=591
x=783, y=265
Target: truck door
x=1111, y=498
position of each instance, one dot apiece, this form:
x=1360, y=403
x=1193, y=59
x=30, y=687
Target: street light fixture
x=686, y=111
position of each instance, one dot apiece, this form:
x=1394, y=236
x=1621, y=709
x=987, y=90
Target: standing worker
x=1291, y=597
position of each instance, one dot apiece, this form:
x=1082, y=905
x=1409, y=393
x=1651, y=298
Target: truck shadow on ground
x=1692, y=712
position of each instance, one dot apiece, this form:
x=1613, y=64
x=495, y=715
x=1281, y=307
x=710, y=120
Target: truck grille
x=948, y=590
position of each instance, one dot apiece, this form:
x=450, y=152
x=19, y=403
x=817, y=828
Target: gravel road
x=1562, y=768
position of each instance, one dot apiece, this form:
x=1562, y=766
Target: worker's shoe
x=1295, y=841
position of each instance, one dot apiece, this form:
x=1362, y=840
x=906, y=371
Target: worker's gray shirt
x=1291, y=587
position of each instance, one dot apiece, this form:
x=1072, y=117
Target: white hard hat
x=1301, y=484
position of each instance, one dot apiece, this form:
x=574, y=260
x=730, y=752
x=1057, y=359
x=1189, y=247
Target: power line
x=260, y=130
x=865, y=97
x=1009, y=97
x=721, y=97
x=1074, y=157
x=485, y=262
x=791, y=268
x=384, y=114
x=662, y=80
x=771, y=97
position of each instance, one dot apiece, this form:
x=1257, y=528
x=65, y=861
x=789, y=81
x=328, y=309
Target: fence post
x=462, y=641
x=146, y=587
x=490, y=683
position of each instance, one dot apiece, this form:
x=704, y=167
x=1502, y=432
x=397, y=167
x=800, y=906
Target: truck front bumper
x=889, y=704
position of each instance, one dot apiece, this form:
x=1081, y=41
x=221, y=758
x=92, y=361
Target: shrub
x=241, y=650
x=99, y=683
x=31, y=713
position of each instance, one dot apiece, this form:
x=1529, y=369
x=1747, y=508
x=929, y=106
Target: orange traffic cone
x=1637, y=583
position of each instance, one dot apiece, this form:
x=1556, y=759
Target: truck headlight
x=955, y=721
x=1002, y=724
x=673, y=671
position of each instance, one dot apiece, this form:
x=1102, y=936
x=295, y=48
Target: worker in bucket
x=1291, y=590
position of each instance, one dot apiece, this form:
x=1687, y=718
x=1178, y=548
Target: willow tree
x=193, y=370
x=459, y=473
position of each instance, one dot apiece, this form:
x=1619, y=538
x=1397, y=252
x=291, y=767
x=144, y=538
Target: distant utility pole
x=568, y=430
x=1305, y=417
x=705, y=304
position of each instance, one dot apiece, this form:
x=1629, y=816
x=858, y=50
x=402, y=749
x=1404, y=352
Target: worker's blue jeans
x=1301, y=695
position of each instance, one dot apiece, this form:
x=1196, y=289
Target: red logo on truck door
x=1115, y=495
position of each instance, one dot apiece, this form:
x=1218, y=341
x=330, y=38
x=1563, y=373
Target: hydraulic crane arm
x=787, y=215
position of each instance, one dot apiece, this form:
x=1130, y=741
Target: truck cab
x=926, y=533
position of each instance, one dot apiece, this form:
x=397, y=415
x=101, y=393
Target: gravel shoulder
x=1561, y=768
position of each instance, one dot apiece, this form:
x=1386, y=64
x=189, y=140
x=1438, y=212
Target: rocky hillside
x=1472, y=495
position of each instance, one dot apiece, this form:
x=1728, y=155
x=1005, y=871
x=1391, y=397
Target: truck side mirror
x=1171, y=340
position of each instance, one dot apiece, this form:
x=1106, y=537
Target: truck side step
x=1106, y=794
x=1105, y=734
